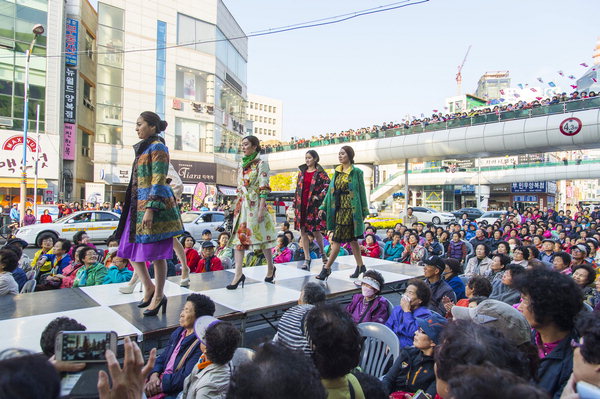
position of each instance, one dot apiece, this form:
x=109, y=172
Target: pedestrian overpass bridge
x=565, y=126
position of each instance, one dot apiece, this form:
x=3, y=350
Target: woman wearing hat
x=369, y=306
x=345, y=207
x=312, y=186
x=218, y=342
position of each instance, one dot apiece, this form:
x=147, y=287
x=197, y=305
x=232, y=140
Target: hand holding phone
x=84, y=346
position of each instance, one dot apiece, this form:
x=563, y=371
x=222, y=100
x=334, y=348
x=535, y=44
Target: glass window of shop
x=229, y=56
x=109, y=89
x=190, y=135
x=191, y=84
x=198, y=34
x=230, y=101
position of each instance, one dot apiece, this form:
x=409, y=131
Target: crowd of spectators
x=436, y=117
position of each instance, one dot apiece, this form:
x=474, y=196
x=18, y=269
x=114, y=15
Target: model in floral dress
x=253, y=225
x=313, y=183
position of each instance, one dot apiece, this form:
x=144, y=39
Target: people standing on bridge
x=150, y=217
x=253, y=225
x=345, y=208
x=313, y=183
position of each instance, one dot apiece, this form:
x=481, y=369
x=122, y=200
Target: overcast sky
x=384, y=66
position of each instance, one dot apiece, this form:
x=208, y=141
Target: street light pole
x=37, y=30
x=37, y=159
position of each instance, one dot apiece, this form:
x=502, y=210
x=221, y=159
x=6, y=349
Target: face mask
x=512, y=246
x=368, y=291
x=112, y=249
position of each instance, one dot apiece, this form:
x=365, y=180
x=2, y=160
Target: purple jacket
x=455, y=250
x=377, y=313
x=404, y=324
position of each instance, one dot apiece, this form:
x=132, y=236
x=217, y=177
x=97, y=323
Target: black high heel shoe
x=234, y=286
x=270, y=279
x=306, y=264
x=153, y=312
x=324, y=274
x=359, y=269
x=144, y=304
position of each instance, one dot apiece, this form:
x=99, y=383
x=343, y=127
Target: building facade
x=491, y=83
x=17, y=19
x=186, y=62
x=266, y=117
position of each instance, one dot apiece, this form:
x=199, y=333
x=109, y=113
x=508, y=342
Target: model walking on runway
x=150, y=217
x=253, y=225
x=345, y=208
x=312, y=188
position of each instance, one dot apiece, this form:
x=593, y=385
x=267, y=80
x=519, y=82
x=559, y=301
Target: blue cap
x=433, y=326
x=206, y=231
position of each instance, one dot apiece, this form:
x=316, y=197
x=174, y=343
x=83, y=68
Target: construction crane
x=459, y=73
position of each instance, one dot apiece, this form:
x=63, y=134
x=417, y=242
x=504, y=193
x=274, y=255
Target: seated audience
x=457, y=249
x=8, y=263
x=313, y=249
x=39, y=261
x=59, y=258
x=16, y=379
x=210, y=378
x=432, y=247
x=451, y=275
x=477, y=287
x=290, y=329
x=562, y=263
x=503, y=290
x=292, y=244
x=369, y=305
x=370, y=248
x=413, y=369
x=277, y=372
x=393, y=249
x=388, y=236
x=551, y=301
x=343, y=250
x=521, y=256
x=18, y=274
x=209, y=262
x=180, y=356
x=413, y=251
x=119, y=271
x=490, y=382
x=479, y=264
x=191, y=255
x=81, y=237
x=24, y=261
x=413, y=305
x=433, y=269
x=91, y=272
x=224, y=252
x=281, y=252
x=586, y=355
x=584, y=276
x=336, y=346
x=498, y=266
x=466, y=343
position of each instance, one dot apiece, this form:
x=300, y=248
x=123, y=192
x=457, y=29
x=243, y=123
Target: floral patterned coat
x=253, y=184
x=318, y=187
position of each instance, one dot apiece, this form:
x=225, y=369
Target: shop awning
x=227, y=190
x=15, y=182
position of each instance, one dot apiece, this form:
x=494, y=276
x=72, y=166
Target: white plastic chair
x=380, y=348
x=587, y=307
x=29, y=286
x=241, y=356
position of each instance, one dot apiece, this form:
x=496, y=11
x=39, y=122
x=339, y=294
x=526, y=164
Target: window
x=274, y=121
x=88, y=95
x=270, y=108
x=190, y=135
x=111, y=16
x=197, y=34
x=89, y=45
x=217, y=217
x=85, y=145
x=106, y=217
x=251, y=105
x=274, y=109
x=108, y=134
x=191, y=84
x=255, y=129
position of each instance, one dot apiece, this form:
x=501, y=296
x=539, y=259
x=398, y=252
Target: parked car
x=373, y=211
x=430, y=215
x=491, y=216
x=194, y=222
x=472, y=213
x=99, y=225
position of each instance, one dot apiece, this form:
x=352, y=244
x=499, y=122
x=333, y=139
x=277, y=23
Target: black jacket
x=555, y=369
x=411, y=371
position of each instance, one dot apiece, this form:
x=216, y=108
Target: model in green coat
x=345, y=207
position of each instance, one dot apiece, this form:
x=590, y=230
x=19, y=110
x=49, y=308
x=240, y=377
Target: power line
x=271, y=31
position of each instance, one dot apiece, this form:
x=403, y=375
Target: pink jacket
x=282, y=256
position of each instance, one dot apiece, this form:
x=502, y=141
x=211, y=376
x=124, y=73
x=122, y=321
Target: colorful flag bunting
x=551, y=84
x=517, y=95
x=520, y=86
x=501, y=100
x=538, y=98
x=540, y=80
x=572, y=77
x=533, y=90
x=574, y=86
x=595, y=80
x=502, y=91
x=583, y=64
x=561, y=73
x=435, y=111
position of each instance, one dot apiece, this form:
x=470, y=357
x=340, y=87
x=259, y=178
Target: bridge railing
x=559, y=108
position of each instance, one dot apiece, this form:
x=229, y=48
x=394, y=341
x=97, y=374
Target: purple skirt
x=136, y=252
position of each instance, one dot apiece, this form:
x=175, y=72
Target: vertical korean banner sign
x=70, y=92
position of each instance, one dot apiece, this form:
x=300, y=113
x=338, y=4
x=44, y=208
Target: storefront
x=533, y=194
x=500, y=197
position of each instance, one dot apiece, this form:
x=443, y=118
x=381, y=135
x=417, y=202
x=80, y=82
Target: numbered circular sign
x=571, y=126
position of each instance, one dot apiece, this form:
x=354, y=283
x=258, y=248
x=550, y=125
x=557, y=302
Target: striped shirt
x=290, y=332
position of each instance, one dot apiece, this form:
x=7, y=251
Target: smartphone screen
x=84, y=346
